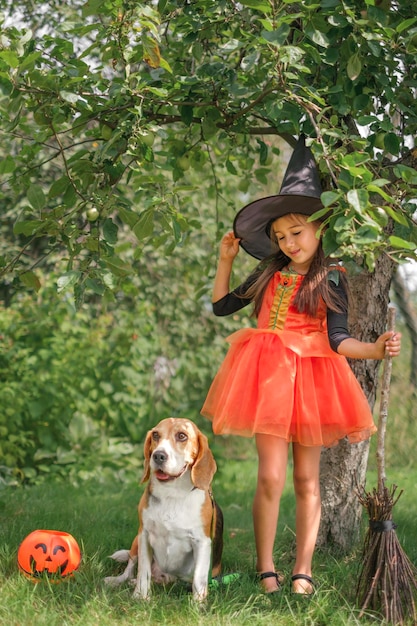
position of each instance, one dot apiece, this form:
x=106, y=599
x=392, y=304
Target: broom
x=387, y=581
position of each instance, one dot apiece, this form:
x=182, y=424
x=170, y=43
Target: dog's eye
x=182, y=437
x=155, y=436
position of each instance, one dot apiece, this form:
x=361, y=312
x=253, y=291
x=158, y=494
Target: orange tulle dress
x=282, y=378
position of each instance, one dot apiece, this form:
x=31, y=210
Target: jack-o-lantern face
x=50, y=553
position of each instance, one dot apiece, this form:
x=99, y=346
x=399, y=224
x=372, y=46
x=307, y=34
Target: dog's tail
x=122, y=556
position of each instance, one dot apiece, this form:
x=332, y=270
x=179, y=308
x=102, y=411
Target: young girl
x=288, y=380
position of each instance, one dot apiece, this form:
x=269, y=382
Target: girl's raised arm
x=229, y=248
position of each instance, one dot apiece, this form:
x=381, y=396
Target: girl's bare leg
x=272, y=465
x=308, y=510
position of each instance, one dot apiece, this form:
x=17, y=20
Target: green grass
x=102, y=517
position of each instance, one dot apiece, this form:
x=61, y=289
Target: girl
x=288, y=381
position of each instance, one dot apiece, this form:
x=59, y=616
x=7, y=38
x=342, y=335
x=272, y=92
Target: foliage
x=81, y=387
x=108, y=107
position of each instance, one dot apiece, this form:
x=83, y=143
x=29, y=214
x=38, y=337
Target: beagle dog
x=180, y=525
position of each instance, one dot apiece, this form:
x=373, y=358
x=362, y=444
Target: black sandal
x=271, y=575
x=308, y=579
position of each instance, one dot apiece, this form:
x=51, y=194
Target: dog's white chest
x=174, y=531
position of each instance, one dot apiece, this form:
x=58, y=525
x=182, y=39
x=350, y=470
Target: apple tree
x=115, y=113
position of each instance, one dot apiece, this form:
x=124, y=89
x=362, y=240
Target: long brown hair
x=315, y=286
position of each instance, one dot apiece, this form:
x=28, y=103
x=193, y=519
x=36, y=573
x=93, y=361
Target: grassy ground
x=102, y=517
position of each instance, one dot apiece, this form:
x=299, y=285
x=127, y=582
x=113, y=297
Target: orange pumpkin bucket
x=48, y=553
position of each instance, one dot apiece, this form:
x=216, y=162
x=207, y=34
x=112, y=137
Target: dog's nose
x=159, y=457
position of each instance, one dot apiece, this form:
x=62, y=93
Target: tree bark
x=344, y=466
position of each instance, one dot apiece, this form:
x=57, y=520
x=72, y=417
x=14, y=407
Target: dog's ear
x=204, y=467
x=146, y=457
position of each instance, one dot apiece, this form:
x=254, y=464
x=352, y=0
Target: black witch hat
x=300, y=193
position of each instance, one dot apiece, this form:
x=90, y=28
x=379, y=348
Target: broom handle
x=383, y=407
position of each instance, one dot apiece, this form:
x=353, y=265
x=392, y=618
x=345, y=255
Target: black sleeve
x=234, y=301
x=337, y=323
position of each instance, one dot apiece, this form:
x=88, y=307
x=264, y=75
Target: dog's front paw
x=200, y=591
x=200, y=595
x=141, y=595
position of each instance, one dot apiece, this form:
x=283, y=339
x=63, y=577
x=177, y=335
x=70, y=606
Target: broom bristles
x=388, y=579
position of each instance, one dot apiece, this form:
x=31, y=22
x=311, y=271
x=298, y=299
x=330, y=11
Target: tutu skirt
x=264, y=385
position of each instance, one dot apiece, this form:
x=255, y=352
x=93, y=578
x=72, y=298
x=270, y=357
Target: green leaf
x=110, y=230
x=392, y=143
x=176, y=228
x=381, y=182
x=397, y=242
x=95, y=286
x=330, y=243
x=330, y=197
x=259, y=5
x=29, y=61
x=109, y=280
x=7, y=165
x=277, y=37
x=354, y=66
x=69, y=279
x=320, y=39
x=373, y=188
x=27, y=227
x=231, y=168
x=396, y=215
x=36, y=197
x=366, y=234
x=58, y=187
x=318, y=214
x=209, y=128
x=405, y=24
x=30, y=280
x=144, y=226
x=94, y=7
x=314, y=31
x=64, y=457
x=407, y=174
x=358, y=199
x=151, y=52
x=186, y=113
x=165, y=65
x=10, y=58
x=116, y=266
x=69, y=96
x=128, y=216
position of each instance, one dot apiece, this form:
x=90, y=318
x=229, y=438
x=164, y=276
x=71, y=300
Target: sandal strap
x=269, y=575
x=303, y=577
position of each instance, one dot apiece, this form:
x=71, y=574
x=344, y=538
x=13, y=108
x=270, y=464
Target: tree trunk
x=344, y=466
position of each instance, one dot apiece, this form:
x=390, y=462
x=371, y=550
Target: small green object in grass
x=224, y=580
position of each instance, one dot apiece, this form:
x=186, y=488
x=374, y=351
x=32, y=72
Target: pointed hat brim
x=300, y=193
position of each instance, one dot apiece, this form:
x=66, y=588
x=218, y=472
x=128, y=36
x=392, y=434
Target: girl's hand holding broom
x=389, y=343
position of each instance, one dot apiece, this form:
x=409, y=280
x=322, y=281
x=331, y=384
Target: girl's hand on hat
x=229, y=246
